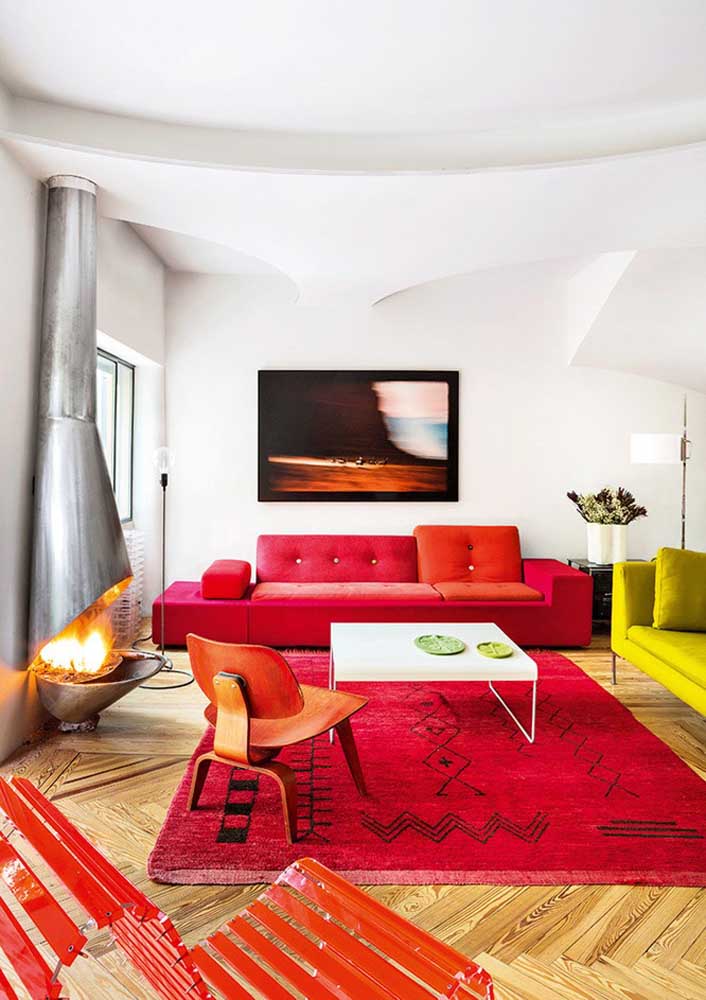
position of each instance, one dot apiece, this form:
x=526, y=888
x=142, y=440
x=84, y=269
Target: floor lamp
x=164, y=463
x=665, y=449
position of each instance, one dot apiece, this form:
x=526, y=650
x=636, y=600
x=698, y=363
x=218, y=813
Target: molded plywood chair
x=258, y=707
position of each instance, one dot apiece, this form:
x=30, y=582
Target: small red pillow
x=226, y=579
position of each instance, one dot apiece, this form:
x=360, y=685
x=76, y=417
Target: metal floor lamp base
x=171, y=669
x=169, y=666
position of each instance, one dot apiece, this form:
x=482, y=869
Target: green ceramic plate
x=495, y=650
x=440, y=645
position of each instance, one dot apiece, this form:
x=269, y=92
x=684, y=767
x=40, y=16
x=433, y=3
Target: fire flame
x=82, y=654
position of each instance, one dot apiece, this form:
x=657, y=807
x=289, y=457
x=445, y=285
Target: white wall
x=21, y=247
x=130, y=289
x=131, y=325
x=531, y=428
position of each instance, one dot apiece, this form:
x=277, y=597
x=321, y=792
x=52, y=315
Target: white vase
x=618, y=543
x=599, y=543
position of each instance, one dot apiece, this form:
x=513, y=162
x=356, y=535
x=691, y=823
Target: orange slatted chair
x=312, y=934
x=104, y=896
x=258, y=707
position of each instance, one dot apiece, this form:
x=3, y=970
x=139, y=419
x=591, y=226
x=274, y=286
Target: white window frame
x=122, y=370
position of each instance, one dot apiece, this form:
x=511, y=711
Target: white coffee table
x=385, y=651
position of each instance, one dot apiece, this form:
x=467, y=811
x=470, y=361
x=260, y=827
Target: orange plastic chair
x=312, y=934
x=258, y=707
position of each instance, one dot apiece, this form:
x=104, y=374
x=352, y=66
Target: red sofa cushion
x=455, y=591
x=336, y=559
x=226, y=578
x=451, y=552
x=345, y=592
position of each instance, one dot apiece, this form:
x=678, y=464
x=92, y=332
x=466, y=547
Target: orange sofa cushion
x=455, y=591
x=486, y=554
x=344, y=592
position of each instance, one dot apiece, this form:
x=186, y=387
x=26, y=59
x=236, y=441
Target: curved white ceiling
x=654, y=321
x=187, y=253
x=402, y=66
x=362, y=149
x=373, y=235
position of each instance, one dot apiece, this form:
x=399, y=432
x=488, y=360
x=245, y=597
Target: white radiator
x=126, y=613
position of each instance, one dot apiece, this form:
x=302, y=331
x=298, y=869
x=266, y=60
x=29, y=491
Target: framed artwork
x=358, y=435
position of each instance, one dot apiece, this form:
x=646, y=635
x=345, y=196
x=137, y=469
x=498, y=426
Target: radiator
x=126, y=613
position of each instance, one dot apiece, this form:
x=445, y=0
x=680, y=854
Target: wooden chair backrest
x=271, y=689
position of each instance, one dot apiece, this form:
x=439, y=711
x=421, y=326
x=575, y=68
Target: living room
x=313, y=318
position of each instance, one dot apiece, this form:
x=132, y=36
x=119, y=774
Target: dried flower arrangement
x=608, y=506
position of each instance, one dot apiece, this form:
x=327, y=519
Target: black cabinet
x=602, y=587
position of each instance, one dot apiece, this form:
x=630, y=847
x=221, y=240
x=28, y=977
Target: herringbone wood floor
x=539, y=942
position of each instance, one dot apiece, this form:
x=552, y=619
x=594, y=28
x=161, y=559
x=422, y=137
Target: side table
x=602, y=574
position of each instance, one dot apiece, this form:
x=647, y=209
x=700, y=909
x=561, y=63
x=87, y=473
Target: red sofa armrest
x=555, y=579
x=568, y=591
x=226, y=579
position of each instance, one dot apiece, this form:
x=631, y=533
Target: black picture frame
x=277, y=408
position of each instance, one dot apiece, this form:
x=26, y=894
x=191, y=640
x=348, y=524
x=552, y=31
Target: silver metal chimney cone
x=79, y=560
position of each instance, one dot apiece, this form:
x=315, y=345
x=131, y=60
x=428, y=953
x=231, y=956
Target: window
x=115, y=408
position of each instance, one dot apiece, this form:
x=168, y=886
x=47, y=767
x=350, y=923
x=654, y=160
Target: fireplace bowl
x=78, y=705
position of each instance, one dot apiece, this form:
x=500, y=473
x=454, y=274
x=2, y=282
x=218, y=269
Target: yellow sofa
x=675, y=659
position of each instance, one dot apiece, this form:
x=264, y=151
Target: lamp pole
x=164, y=481
x=163, y=461
x=684, y=453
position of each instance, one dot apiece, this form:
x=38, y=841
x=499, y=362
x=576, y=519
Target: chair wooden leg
x=345, y=735
x=286, y=779
x=283, y=775
x=198, y=780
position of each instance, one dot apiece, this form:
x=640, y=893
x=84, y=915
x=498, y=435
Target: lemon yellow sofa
x=677, y=659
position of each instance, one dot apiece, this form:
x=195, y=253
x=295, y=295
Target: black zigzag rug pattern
x=449, y=823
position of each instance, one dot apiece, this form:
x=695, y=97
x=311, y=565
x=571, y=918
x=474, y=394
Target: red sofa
x=440, y=573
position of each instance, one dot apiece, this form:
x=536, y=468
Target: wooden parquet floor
x=539, y=942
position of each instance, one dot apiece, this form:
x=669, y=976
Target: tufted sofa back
x=336, y=558
x=469, y=554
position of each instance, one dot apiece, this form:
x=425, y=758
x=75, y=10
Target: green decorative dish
x=439, y=645
x=495, y=650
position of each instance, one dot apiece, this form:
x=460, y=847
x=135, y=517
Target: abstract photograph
x=358, y=435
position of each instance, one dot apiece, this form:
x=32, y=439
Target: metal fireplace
x=79, y=563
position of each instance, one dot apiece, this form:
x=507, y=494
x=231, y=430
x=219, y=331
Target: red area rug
x=458, y=795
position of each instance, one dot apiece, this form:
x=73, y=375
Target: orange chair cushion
x=455, y=591
x=486, y=554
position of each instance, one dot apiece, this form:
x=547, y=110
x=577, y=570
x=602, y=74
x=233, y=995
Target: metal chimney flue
x=79, y=563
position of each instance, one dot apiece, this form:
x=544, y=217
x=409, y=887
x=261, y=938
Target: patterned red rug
x=457, y=795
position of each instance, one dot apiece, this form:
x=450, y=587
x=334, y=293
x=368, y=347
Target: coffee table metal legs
x=332, y=687
x=529, y=736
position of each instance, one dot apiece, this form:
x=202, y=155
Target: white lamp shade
x=163, y=460
x=655, y=449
